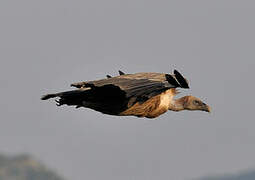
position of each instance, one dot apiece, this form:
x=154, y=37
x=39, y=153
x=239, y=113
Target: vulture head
x=193, y=103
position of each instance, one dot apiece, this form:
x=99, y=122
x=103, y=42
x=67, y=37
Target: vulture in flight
x=140, y=94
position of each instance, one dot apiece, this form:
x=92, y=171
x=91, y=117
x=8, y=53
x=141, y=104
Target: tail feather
x=48, y=96
x=74, y=97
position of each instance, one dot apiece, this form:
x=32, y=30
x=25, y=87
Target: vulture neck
x=178, y=104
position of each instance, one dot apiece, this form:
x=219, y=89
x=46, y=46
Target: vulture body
x=140, y=94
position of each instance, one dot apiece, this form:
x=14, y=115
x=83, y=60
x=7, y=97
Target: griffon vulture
x=141, y=94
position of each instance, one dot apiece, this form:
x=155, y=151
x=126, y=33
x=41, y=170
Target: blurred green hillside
x=24, y=167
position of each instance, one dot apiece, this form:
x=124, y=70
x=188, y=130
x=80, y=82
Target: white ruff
x=166, y=99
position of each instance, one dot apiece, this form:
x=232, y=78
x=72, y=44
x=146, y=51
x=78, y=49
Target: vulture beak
x=207, y=108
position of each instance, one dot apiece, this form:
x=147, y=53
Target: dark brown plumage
x=141, y=94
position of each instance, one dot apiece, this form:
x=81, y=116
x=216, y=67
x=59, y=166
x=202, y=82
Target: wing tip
x=182, y=81
x=121, y=73
x=77, y=85
x=172, y=80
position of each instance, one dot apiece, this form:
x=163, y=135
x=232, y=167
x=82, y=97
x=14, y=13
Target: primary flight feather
x=140, y=94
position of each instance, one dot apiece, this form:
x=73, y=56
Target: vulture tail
x=48, y=96
x=74, y=97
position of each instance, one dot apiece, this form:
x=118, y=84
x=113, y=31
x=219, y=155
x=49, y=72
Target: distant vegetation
x=23, y=167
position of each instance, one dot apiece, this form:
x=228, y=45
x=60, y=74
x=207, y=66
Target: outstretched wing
x=137, y=87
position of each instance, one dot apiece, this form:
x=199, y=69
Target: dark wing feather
x=182, y=81
x=121, y=73
x=138, y=87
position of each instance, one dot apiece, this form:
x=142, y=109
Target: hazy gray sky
x=47, y=45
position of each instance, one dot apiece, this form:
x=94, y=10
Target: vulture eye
x=196, y=102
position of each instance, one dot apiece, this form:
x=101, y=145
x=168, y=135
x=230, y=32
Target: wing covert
x=139, y=86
